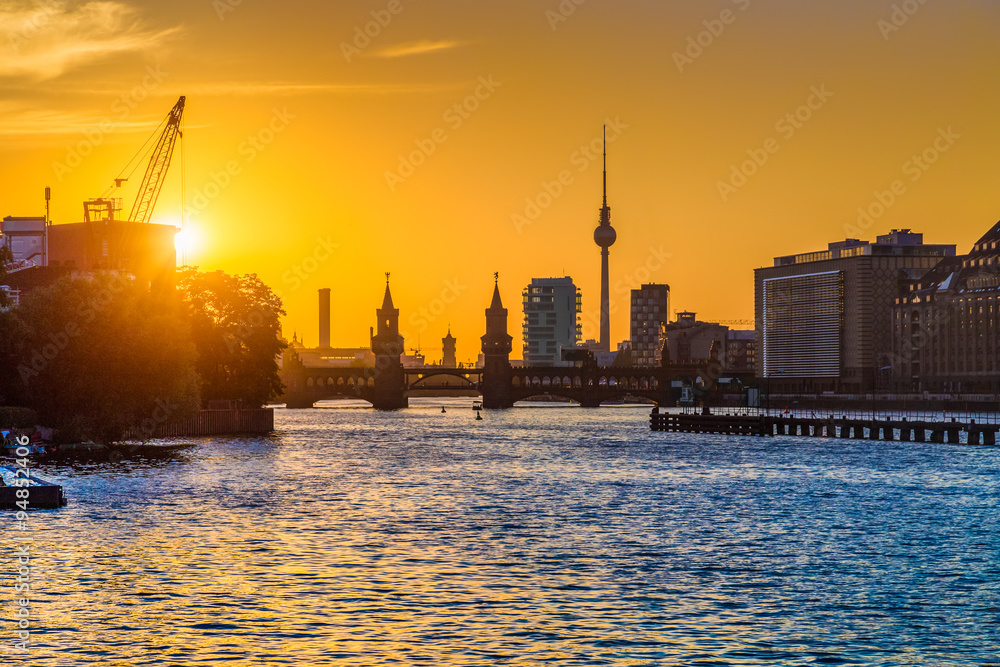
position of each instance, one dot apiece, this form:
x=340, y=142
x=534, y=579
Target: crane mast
x=159, y=162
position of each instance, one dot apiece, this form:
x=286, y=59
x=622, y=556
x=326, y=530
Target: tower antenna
x=605, y=165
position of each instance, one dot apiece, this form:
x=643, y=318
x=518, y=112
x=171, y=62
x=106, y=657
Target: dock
x=899, y=429
x=42, y=494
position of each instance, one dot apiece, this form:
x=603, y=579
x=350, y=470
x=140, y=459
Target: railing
x=952, y=430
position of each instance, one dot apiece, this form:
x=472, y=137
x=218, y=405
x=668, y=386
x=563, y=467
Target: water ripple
x=534, y=537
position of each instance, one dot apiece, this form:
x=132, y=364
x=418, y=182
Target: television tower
x=605, y=236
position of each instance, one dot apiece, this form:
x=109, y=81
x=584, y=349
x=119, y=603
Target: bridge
x=387, y=385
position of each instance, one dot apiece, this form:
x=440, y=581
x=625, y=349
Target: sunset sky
x=315, y=123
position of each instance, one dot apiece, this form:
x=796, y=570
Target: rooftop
x=902, y=242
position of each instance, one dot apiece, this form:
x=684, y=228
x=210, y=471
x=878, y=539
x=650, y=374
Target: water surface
x=537, y=536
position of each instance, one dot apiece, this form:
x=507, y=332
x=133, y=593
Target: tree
x=102, y=357
x=234, y=325
x=6, y=256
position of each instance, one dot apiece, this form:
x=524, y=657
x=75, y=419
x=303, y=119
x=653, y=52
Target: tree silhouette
x=234, y=324
x=100, y=357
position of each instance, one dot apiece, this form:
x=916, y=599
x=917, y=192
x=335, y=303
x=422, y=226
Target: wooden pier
x=830, y=427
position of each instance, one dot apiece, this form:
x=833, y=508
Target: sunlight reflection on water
x=557, y=535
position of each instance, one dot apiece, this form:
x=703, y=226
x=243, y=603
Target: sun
x=187, y=242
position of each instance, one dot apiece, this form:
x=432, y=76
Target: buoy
x=442, y=409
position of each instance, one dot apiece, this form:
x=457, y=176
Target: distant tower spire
x=605, y=236
x=605, y=166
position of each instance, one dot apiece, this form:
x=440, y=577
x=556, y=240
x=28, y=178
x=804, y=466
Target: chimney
x=324, y=317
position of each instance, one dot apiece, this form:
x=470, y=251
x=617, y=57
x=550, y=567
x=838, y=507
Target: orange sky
x=881, y=92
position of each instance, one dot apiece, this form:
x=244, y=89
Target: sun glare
x=187, y=242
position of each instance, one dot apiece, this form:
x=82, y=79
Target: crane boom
x=159, y=162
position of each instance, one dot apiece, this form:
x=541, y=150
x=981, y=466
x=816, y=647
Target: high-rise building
x=604, y=237
x=947, y=325
x=552, y=324
x=650, y=311
x=824, y=320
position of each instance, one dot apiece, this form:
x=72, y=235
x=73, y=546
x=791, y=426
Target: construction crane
x=152, y=182
x=106, y=208
x=734, y=323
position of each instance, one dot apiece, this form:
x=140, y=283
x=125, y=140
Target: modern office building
x=741, y=350
x=552, y=308
x=824, y=320
x=649, y=312
x=946, y=328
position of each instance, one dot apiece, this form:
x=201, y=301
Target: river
x=546, y=535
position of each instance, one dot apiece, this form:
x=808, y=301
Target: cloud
x=24, y=120
x=291, y=88
x=417, y=48
x=45, y=38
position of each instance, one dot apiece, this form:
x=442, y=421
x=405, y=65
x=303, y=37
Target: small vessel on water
x=41, y=493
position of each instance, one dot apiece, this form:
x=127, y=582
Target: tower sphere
x=605, y=236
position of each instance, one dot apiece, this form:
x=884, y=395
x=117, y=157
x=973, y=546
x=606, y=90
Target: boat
x=42, y=494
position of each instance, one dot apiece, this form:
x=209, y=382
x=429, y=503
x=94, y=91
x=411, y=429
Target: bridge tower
x=387, y=345
x=496, y=350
